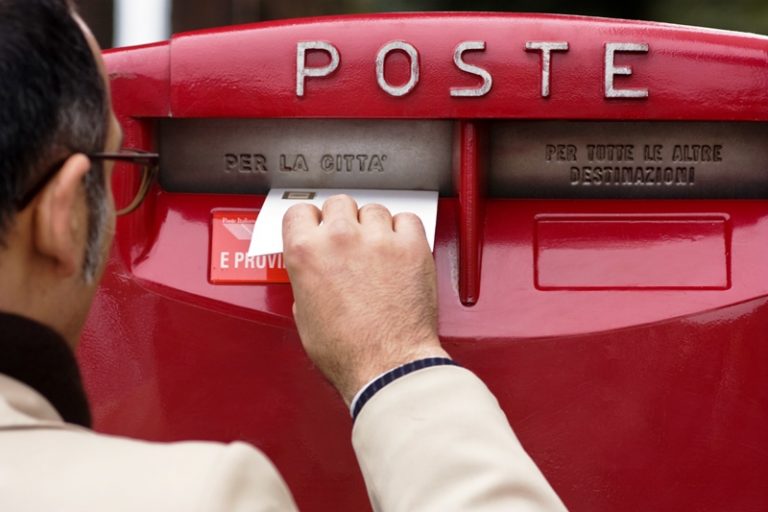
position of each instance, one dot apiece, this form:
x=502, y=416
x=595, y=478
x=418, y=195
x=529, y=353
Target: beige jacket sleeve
x=437, y=440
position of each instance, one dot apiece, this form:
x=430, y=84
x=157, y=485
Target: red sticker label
x=230, y=237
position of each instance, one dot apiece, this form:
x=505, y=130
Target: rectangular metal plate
x=608, y=159
x=251, y=156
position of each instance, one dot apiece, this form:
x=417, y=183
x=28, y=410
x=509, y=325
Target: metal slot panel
x=253, y=155
x=573, y=159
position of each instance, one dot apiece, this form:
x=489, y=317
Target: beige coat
x=434, y=440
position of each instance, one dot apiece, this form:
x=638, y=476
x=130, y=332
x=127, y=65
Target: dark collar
x=37, y=356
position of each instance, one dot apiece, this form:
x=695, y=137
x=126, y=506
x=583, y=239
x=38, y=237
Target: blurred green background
x=744, y=15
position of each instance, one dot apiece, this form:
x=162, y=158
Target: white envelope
x=267, y=235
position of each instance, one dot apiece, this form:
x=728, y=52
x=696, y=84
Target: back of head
x=52, y=98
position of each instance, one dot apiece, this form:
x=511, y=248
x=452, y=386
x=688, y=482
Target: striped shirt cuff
x=364, y=395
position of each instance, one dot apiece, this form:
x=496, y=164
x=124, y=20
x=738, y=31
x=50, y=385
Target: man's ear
x=60, y=221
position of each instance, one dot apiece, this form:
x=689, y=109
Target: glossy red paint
x=472, y=149
x=649, y=392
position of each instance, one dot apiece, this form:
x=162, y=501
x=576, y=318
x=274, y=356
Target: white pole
x=142, y=21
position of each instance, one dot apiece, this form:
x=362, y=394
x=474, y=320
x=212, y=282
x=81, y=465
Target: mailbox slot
x=250, y=156
x=641, y=160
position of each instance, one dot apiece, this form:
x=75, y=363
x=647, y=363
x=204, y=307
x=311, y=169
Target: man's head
x=55, y=212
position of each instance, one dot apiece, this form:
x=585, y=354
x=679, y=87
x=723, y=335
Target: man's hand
x=365, y=289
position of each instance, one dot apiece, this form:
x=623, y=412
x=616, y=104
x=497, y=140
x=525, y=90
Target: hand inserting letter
x=364, y=287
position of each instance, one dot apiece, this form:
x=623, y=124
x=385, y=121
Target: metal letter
x=611, y=70
x=302, y=71
x=546, y=48
x=382, y=56
x=469, y=68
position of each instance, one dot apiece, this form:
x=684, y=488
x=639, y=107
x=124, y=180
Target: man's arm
x=437, y=441
x=366, y=309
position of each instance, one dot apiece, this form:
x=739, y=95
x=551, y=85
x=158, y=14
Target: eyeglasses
x=131, y=176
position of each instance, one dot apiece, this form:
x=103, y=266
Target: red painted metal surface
x=644, y=392
x=471, y=155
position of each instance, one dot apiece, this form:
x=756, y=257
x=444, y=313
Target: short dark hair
x=53, y=101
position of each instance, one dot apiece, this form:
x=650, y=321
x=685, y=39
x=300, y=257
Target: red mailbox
x=601, y=244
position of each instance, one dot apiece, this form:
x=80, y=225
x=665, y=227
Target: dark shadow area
x=744, y=15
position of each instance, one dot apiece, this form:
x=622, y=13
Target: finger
x=375, y=217
x=299, y=220
x=409, y=225
x=339, y=207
